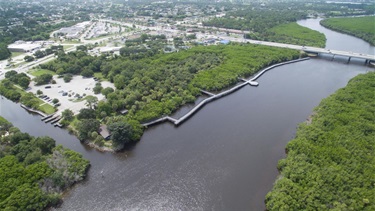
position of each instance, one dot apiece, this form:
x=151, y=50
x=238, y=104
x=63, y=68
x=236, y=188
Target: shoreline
x=190, y=113
x=33, y=110
x=250, y=82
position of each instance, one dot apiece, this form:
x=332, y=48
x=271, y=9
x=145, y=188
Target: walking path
x=213, y=97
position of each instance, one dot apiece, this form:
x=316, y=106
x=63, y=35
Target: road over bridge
x=308, y=49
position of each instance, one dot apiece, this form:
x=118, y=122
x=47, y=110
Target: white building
x=22, y=46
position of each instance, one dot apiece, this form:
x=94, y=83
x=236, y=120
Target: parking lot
x=79, y=86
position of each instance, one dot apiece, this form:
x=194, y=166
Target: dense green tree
x=103, y=107
x=39, y=54
x=29, y=166
x=330, y=164
x=55, y=100
x=86, y=126
x=4, y=52
x=21, y=79
x=67, y=78
x=30, y=100
x=86, y=113
x=45, y=144
x=67, y=114
x=362, y=27
x=91, y=101
x=98, y=88
x=81, y=48
x=24, y=82
x=43, y=79
x=4, y=125
x=121, y=132
x=107, y=91
x=11, y=75
x=29, y=58
x=87, y=73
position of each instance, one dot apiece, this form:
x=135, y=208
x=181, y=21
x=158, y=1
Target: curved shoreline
x=345, y=31
x=250, y=82
x=33, y=111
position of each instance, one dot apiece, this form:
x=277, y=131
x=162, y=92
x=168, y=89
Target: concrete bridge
x=308, y=49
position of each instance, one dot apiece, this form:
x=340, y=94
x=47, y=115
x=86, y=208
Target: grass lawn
x=72, y=42
x=47, y=108
x=67, y=46
x=20, y=64
x=76, y=100
x=100, y=76
x=39, y=72
x=14, y=54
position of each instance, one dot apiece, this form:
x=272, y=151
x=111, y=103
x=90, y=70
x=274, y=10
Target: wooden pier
x=58, y=118
x=51, y=119
x=207, y=93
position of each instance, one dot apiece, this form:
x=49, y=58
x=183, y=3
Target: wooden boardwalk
x=213, y=97
x=207, y=93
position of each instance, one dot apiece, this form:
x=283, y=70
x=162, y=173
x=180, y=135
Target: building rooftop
x=103, y=131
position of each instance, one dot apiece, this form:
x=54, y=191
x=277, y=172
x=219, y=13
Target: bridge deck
x=315, y=49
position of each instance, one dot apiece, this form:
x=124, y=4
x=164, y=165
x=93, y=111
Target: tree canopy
x=362, y=27
x=330, y=165
x=34, y=171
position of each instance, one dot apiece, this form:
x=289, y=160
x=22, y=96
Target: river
x=223, y=158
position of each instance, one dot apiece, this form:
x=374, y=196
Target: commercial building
x=22, y=46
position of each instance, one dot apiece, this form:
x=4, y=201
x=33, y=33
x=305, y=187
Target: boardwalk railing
x=213, y=97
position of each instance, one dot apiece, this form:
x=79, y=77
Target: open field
x=47, y=108
x=14, y=54
x=39, y=72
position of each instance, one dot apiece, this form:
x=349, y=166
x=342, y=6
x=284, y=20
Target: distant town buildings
x=22, y=46
x=72, y=32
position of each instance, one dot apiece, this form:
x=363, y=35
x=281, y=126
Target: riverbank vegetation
x=13, y=87
x=361, y=27
x=270, y=26
x=34, y=171
x=292, y=33
x=151, y=86
x=331, y=162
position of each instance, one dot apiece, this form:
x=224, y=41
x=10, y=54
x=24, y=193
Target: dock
x=46, y=117
x=51, y=119
x=58, y=118
x=207, y=93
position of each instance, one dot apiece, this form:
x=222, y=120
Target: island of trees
x=34, y=171
x=361, y=27
x=330, y=164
